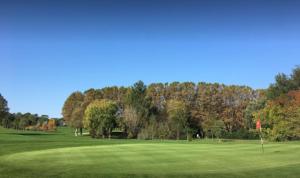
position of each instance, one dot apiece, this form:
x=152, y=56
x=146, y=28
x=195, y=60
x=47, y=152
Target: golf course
x=60, y=154
x=149, y=89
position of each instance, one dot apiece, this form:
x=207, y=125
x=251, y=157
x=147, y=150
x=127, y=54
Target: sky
x=50, y=48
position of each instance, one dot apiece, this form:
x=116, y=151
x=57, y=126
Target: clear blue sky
x=49, y=49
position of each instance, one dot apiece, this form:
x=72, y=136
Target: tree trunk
x=177, y=134
x=76, y=132
x=187, y=136
x=109, y=133
x=80, y=131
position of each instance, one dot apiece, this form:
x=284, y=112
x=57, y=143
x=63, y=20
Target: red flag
x=258, y=125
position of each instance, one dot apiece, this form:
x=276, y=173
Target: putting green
x=157, y=160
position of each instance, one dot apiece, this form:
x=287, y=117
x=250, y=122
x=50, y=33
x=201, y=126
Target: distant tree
x=214, y=127
x=73, y=111
x=235, y=101
x=138, y=103
x=163, y=130
x=177, y=115
x=100, y=117
x=51, y=124
x=3, y=109
x=283, y=84
x=24, y=121
x=7, y=121
x=252, y=108
x=77, y=119
x=44, y=126
x=136, y=97
x=281, y=117
x=59, y=122
x=157, y=93
x=131, y=121
x=295, y=77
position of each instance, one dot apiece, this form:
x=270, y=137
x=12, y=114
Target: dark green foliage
x=27, y=121
x=283, y=84
x=296, y=77
x=137, y=111
x=3, y=111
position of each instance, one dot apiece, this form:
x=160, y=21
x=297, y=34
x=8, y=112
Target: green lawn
x=60, y=154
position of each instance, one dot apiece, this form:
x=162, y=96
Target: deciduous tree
x=177, y=115
x=100, y=117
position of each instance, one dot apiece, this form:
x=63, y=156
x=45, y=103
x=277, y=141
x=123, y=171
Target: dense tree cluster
x=279, y=108
x=161, y=110
x=182, y=110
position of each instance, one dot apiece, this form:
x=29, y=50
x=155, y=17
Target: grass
x=60, y=154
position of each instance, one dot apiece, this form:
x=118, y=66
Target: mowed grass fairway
x=60, y=154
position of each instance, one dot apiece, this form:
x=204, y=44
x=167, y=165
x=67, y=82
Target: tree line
x=163, y=111
x=178, y=110
x=26, y=121
x=184, y=110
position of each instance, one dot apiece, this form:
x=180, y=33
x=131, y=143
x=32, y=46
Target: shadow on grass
x=29, y=134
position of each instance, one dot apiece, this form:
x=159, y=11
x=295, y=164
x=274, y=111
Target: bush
x=163, y=131
x=190, y=137
x=148, y=133
x=144, y=134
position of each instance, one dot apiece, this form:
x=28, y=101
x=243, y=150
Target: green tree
x=284, y=83
x=100, y=117
x=281, y=117
x=3, y=109
x=214, y=127
x=178, y=116
x=7, y=121
x=137, y=103
x=295, y=77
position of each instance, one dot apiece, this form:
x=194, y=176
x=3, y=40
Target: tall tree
x=131, y=121
x=178, y=116
x=137, y=100
x=3, y=109
x=73, y=111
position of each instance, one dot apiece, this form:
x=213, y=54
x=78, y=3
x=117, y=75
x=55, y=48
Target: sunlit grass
x=60, y=154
